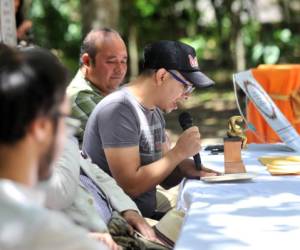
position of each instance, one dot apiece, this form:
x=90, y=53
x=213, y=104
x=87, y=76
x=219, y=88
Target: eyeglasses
x=188, y=87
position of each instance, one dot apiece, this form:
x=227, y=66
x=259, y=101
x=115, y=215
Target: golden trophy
x=233, y=144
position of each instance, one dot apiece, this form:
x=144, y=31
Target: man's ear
x=40, y=128
x=86, y=60
x=161, y=76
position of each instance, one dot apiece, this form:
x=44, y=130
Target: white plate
x=229, y=177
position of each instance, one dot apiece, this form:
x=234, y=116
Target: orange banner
x=282, y=83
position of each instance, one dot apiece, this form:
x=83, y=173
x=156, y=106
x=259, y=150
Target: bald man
x=103, y=66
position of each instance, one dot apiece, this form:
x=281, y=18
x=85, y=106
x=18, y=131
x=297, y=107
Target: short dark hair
x=32, y=84
x=147, y=72
x=89, y=45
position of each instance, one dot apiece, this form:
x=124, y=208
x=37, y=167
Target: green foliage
x=146, y=8
x=57, y=26
x=155, y=19
x=277, y=46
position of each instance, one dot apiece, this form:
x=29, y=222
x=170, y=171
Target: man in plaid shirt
x=103, y=66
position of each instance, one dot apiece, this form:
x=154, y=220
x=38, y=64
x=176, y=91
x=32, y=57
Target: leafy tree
x=99, y=13
x=233, y=40
x=57, y=26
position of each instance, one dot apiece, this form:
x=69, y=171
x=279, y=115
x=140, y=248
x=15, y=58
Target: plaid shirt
x=84, y=98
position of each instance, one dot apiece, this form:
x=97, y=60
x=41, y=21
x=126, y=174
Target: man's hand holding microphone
x=189, y=144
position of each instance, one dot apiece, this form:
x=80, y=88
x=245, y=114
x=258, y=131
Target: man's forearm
x=173, y=179
x=158, y=171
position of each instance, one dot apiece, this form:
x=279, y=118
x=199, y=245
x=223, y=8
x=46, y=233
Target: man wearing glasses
x=34, y=110
x=126, y=137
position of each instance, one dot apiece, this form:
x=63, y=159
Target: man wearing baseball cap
x=174, y=55
x=125, y=134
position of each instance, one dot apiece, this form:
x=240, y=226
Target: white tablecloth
x=260, y=214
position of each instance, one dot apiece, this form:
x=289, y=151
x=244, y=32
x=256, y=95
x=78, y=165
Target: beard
x=46, y=160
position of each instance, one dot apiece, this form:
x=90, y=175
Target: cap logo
x=193, y=62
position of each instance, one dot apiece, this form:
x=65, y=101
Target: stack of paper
x=282, y=165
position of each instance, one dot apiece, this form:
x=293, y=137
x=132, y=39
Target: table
x=260, y=214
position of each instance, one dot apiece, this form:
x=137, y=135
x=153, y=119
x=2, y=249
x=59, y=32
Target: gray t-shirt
x=119, y=120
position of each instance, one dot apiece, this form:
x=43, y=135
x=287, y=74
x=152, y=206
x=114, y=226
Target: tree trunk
x=99, y=14
x=240, y=57
x=133, y=51
x=285, y=10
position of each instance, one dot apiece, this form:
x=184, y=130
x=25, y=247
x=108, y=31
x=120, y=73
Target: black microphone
x=186, y=121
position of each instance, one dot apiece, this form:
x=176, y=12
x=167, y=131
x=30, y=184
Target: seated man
x=103, y=66
x=33, y=109
x=125, y=134
x=91, y=201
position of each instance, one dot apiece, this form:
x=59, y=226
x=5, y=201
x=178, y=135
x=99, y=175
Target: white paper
x=268, y=109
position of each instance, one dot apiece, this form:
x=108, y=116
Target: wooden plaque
x=233, y=162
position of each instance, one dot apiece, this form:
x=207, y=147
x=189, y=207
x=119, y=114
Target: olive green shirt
x=84, y=97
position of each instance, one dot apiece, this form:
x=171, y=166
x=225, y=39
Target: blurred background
x=228, y=35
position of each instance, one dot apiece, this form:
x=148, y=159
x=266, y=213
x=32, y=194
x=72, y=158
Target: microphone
x=186, y=121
